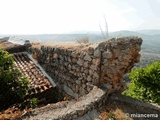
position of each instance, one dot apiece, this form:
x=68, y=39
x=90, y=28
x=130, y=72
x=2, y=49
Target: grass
x=113, y=112
x=66, y=45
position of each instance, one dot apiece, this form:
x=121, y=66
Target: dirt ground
x=125, y=108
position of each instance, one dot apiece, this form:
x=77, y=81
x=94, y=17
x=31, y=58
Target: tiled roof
x=39, y=80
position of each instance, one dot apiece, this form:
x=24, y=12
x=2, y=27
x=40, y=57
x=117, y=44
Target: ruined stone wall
x=77, y=70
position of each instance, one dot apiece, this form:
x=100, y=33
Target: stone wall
x=102, y=64
x=80, y=109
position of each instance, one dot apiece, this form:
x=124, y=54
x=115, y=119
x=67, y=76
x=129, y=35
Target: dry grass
x=113, y=112
x=12, y=113
x=66, y=45
x=83, y=40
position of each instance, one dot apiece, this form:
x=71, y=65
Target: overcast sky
x=64, y=16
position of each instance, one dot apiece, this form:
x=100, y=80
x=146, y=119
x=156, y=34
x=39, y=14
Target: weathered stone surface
x=84, y=117
x=75, y=116
x=69, y=59
x=96, y=75
x=86, y=71
x=89, y=78
x=90, y=50
x=84, y=81
x=107, y=55
x=82, y=55
x=93, y=67
x=82, y=70
x=104, y=61
x=82, y=91
x=108, y=86
x=73, y=54
x=94, y=114
x=66, y=63
x=78, y=82
x=91, y=72
x=77, y=88
x=97, y=53
x=87, y=57
x=96, y=61
x=85, y=64
x=69, y=91
x=74, y=60
x=89, y=88
x=69, y=51
x=73, y=67
x=69, y=66
x=80, y=62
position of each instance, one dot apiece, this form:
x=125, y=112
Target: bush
x=83, y=40
x=33, y=102
x=145, y=84
x=13, y=85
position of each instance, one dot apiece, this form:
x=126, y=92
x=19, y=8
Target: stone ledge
x=90, y=115
x=71, y=109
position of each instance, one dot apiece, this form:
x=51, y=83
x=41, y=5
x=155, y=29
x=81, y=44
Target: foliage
x=145, y=84
x=33, y=102
x=111, y=115
x=13, y=85
x=83, y=40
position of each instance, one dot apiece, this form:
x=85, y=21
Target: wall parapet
x=102, y=64
x=68, y=110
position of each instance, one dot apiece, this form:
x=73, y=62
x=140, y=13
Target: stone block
x=107, y=55
x=85, y=64
x=89, y=78
x=80, y=62
x=82, y=54
x=94, y=114
x=93, y=67
x=97, y=53
x=90, y=50
x=73, y=54
x=74, y=60
x=87, y=57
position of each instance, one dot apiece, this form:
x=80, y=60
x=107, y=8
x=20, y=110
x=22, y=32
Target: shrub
x=145, y=84
x=33, y=102
x=13, y=85
x=83, y=40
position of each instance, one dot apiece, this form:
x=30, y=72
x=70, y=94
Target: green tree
x=13, y=85
x=145, y=84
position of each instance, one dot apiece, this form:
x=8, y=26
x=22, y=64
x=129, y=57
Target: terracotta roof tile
x=38, y=81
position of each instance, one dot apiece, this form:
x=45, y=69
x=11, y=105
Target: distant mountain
x=129, y=33
x=94, y=36
x=144, y=34
x=149, y=32
x=137, y=33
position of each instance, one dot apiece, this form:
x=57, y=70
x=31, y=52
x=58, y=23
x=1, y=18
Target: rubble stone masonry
x=76, y=71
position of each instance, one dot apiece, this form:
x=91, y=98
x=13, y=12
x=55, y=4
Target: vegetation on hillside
x=145, y=84
x=13, y=85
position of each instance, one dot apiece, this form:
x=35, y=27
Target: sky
x=65, y=16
